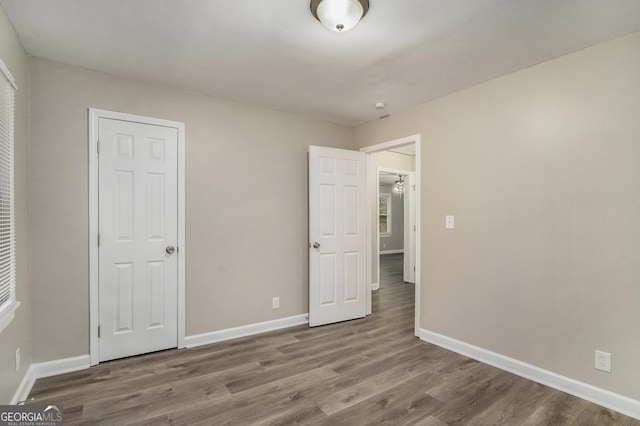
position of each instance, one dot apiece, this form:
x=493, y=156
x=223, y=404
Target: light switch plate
x=449, y=222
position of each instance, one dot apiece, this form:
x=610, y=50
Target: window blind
x=7, y=219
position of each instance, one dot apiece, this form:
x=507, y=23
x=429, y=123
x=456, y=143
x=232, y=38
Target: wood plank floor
x=369, y=371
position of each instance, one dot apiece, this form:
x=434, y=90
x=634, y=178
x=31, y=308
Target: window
x=384, y=214
x=8, y=302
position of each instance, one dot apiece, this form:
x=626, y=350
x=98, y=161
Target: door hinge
x=98, y=332
x=414, y=228
x=414, y=269
x=98, y=239
x=98, y=147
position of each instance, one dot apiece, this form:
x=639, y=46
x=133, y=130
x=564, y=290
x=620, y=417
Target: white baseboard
x=46, y=369
x=375, y=286
x=392, y=251
x=620, y=403
x=245, y=330
x=22, y=393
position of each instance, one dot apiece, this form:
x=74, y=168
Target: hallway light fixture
x=399, y=185
x=339, y=15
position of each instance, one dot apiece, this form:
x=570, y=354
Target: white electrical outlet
x=17, y=359
x=276, y=303
x=603, y=361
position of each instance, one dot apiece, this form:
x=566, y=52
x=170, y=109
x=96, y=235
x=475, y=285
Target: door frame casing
x=94, y=304
x=385, y=146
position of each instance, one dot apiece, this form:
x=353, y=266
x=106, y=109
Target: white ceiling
x=273, y=53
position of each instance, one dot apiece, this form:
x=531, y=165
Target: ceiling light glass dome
x=339, y=15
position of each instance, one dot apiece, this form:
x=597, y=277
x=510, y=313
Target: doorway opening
x=401, y=156
x=396, y=210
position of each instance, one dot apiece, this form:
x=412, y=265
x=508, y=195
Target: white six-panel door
x=138, y=199
x=337, y=239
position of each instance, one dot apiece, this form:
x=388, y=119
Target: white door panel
x=409, y=270
x=337, y=223
x=138, y=196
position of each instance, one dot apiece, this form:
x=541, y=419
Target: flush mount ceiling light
x=339, y=15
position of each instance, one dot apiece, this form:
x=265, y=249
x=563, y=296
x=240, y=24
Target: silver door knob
x=170, y=249
x=316, y=245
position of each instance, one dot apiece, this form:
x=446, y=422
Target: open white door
x=337, y=235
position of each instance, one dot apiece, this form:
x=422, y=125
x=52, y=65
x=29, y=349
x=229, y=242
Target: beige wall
x=246, y=202
x=542, y=170
x=18, y=333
